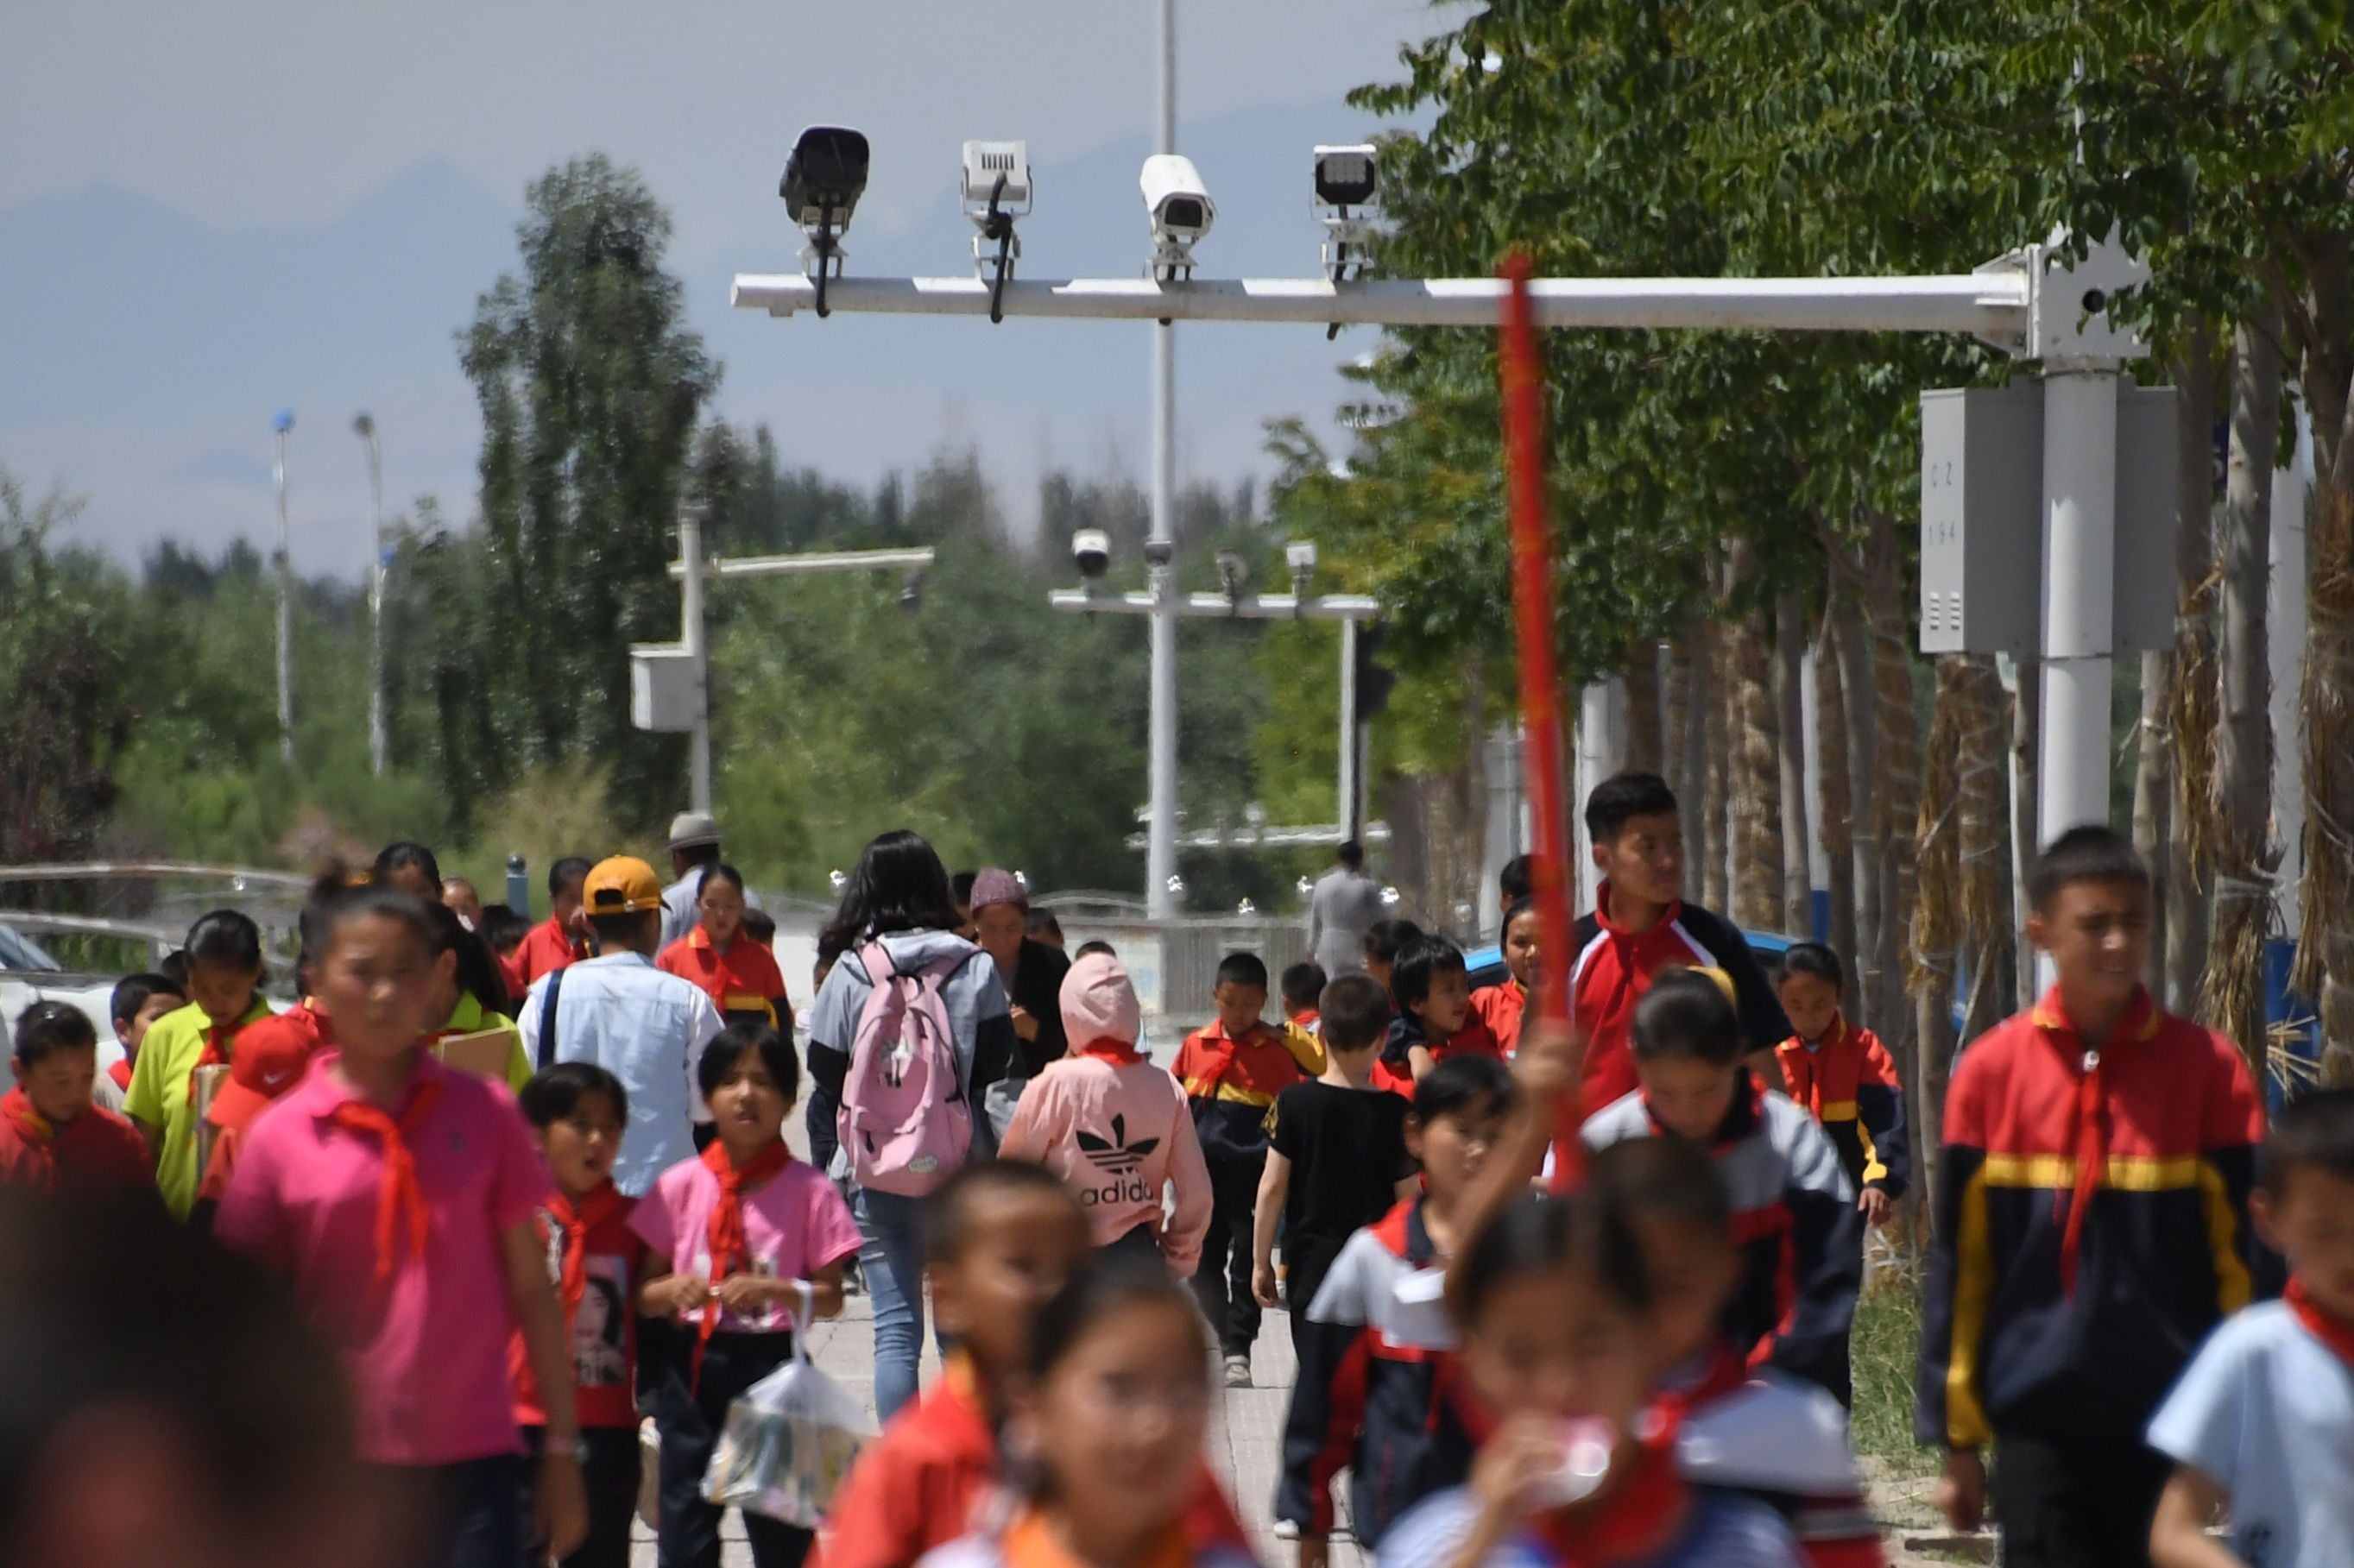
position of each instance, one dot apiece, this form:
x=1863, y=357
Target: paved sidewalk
x=1245, y=1443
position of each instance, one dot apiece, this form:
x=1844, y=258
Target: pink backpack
x=905, y=1121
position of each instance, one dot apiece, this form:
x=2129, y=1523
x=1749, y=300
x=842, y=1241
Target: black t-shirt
x=1037, y=989
x=1347, y=1148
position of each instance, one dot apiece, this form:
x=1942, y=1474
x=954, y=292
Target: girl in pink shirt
x=744, y=1246
x=397, y=1196
x=1114, y=1126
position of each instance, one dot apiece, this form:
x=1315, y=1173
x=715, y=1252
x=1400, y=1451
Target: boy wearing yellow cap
x=618, y=1010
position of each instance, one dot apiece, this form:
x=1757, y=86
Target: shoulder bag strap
x=547, y=1019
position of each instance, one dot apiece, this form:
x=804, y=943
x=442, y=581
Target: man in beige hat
x=616, y=1010
x=693, y=850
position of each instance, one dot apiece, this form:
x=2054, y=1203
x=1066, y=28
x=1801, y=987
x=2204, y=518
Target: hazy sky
x=250, y=114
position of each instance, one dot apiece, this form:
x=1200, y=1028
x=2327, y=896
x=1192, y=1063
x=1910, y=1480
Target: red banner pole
x=1532, y=620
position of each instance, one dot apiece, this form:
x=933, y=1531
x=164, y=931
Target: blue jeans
x=892, y=1259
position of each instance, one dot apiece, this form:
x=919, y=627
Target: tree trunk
x=1691, y=746
x=2323, y=312
x=1831, y=748
x=2233, y=996
x=2153, y=784
x=1797, y=852
x=1983, y=844
x=1936, y=912
x=1899, y=756
x=1867, y=845
x=2026, y=841
x=1757, y=778
x=2190, y=711
x=1717, y=766
x=1678, y=715
x=1643, y=747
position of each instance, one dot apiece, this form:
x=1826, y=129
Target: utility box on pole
x=1982, y=519
x=661, y=687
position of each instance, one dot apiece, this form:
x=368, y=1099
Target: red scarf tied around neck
x=2331, y=1330
x=399, y=1189
x=728, y=1248
x=576, y=1220
x=1628, y=1524
x=40, y=1133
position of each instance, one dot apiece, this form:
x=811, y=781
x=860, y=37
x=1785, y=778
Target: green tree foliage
x=590, y=389
x=61, y=677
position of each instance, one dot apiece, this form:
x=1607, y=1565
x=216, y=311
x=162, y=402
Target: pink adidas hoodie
x=1112, y=1125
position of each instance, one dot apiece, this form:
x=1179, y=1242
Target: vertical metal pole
x=690, y=614
x=2079, y=507
x=379, y=738
x=285, y=603
x=1161, y=831
x=2284, y=614
x=1348, y=744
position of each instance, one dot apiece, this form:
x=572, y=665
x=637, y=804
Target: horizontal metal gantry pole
x=1992, y=304
x=1257, y=606
x=812, y=561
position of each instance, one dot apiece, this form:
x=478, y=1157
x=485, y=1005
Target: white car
x=28, y=974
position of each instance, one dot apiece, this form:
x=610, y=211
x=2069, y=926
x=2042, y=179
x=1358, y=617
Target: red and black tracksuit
x=1389, y=1414
x=2091, y=1226
x=1848, y=1084
x=1614, y=968
x=1232, y=1085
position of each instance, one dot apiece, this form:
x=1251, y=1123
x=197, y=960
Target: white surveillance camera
x=1180, y=207
x=996, y=173
x=1348, y=196
x=996, y=190
x=1299, y=554
x=1233, y=571
x=1091, y=552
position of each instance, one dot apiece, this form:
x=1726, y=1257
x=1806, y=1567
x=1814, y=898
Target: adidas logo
x=1119, y=1157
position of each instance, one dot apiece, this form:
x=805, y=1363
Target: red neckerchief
x=1119, y=1053
x=1222, y=1048
x=2334, y=1332
x=1306, y=1018
x=220, y=1040
x=40, y=1133
x=2090, y=1115
x=398, y=1189
x=1629, y=1524
x=576, y=1220
x=728, y=1246
x=1029, y=1542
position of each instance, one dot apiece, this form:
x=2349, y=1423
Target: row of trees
x=1725, y=501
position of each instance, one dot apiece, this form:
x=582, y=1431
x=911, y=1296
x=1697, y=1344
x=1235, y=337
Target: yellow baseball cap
x=620, y=884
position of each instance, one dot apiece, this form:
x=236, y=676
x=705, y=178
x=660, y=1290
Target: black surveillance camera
x=825, y=177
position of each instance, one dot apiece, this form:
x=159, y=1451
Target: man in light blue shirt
x=646, y=1028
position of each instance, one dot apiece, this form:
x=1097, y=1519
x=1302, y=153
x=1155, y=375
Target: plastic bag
x=788, y=1442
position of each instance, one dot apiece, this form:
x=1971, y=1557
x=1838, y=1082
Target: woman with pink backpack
x=910, y=1030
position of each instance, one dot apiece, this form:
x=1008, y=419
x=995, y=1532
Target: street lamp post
x=1161, y=831
x=284, y=425
x=363, y=426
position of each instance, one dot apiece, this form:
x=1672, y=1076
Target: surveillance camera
x=1091, y=552
x=1299, y=554
x=1232, y=572
x=996, y=190
x=1180, y=207
x=911, y=593
x=823, y=180
x=1159, y=553
x=1347, y=192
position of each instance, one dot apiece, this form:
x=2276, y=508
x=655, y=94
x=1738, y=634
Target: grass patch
x=1885, y=1349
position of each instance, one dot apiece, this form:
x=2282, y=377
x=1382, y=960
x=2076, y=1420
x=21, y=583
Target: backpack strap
x=547, y=1019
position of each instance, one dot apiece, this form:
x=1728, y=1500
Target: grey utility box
x=1982, y=519
x=661, y=687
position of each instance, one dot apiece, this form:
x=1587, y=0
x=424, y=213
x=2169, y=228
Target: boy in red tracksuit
x=1384, y=1409
x=51, y=1134
x=2091, y=1226
x=1003, y=1237
x=1232, y=1070
x=1842, y=1075
x=1640, y=925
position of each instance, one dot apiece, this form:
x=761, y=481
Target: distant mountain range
x=146, y=351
